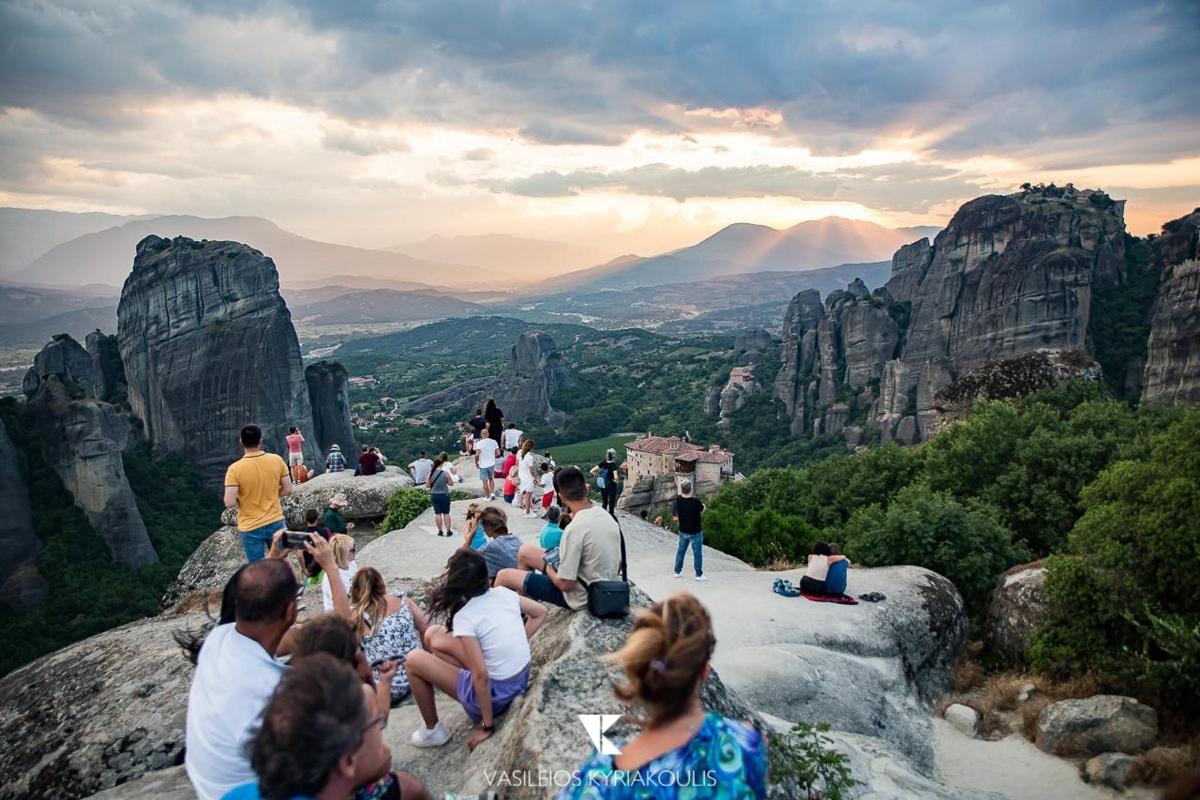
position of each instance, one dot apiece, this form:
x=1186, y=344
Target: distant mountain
x=26, y=304
x=78, y=323
x=26, y=233
x=106, y=256
x=516, y=256
x=743, y=248
x=383, y=305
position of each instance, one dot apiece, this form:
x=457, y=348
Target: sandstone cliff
x=83, y=440
x=1009, y=276
x=328, y=393
x=1172, y=373
x=208, y=346
x=21, y=585
x=108, y=373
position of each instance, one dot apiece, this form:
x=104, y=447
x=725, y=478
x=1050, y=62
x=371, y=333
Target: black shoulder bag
x=610, y=599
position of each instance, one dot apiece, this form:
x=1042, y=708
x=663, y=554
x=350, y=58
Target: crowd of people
x=284, y=709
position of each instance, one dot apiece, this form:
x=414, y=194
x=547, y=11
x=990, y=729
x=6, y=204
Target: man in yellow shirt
x=254, y=483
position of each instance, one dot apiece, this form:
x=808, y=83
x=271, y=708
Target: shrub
x=963, y=542
x=804, y=761
x=1126, y=601
x=404, y=506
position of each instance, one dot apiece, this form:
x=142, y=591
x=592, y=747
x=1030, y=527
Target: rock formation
x=1007, y=277
x=329, y=396
x=1172, y=373
x=208, y=346
x=83, y=439
x=108, y=373
x=21, y=585
x=535, y=371
x=749, y=350
x=1014, y=611
x=1089, y=727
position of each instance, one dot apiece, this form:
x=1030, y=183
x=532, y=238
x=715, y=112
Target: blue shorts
x=441, y=503
x=538, y=586
x=485, y=473
x=257, y=542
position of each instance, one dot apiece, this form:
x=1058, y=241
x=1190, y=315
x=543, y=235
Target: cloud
x=545, y=132
x=361, y=141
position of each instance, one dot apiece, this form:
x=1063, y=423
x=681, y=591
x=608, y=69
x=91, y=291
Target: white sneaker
x=678, y=574
x=431, y=737
x=701, y=577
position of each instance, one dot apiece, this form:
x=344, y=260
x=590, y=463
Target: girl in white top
x=344, y=552
x=525, y=474
x=481, y=659
x=817, y=570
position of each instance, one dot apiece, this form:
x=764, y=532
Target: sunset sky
x=632, y=126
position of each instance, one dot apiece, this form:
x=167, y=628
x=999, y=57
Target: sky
x=630, y=126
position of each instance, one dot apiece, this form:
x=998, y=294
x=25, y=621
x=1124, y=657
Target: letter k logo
x=596, y=725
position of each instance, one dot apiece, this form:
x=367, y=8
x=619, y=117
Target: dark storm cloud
x=996, y=77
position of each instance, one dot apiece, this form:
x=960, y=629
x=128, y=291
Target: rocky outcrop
x=83, y=440
x=536, y=370
x=206, y=570
x=21, y=585
x=751, y=346
x=1009, y=276
x=96, y=714
x=367, y=495
x=1101, y=724
x=1172, y=373
x=108, y=373
x=329, y=395
x=208, y=346
x=1014, y=610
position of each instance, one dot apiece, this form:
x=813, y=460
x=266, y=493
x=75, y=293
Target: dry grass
x=1162, y=765
x=966, y=675
x=780, y=564
x=1030, y=711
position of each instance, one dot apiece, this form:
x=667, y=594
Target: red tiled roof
x=661, y=444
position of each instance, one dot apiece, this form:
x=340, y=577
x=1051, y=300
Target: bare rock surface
x=329, y=395
x=1172, y=373
x=1014, y=610
x=208, y=347
x=1100, y=724
x=207, y=569
x=1109, y=769
x=21, y=585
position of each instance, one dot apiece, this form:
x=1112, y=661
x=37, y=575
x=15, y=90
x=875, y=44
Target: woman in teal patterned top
x=683, y=751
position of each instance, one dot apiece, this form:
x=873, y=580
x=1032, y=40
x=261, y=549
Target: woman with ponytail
x=391, y=625
x=665, y=662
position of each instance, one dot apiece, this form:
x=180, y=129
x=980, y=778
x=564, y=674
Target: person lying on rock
x=321, y=737
x=391, y=626
x=816, y=573
x=236, y=667
x=501, y=549
x=665, y=662
x=481, y=657
x=590, y=551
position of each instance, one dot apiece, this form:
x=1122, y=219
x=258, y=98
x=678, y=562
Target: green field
x=586, y=454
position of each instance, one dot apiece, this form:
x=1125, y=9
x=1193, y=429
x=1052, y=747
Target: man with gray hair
x=687, y=513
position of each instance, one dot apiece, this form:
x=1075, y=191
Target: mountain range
x=522, y=260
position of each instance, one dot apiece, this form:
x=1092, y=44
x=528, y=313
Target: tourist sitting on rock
x=590, y=550
x=335, y=461
x=510, y=439
x=420, y=469
x=473, y=536
x=344, y=551
x=391, y=625
x=501, y=549
x=665, y=662
x=334, y=520
x=383, y=461
x=338, y=637
x=369, y=463
x=321, y=737
x=481, y=657
x=254, y=484
x=438, y=484
x=817, y=571
x=839, y=569
x=551, y=533
x=236, y=670
x=312, y=524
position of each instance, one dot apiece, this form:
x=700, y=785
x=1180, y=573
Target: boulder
x=21, y=585
x=208, y=347
x=328, y=392
x=367, y=495
x=96, y=714
x=1109, y=769
x=1172, y=372
x=207, y=569
x=1014, y=610
x=964, y=718
x=65, y=360
x=1100, y=724
x=164, y=784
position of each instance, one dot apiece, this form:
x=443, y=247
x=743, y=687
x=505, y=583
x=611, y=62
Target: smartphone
x=295, y=540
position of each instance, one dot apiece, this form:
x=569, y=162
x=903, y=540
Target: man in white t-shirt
x=511, y=437
x=590, y=550
x=486, y=452
x=420, y=469
x=236, y=671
